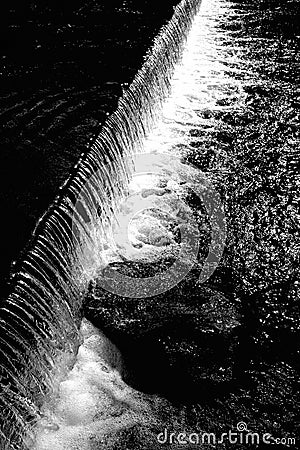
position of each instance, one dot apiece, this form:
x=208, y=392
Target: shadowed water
x=228, y=350
x=40, y=318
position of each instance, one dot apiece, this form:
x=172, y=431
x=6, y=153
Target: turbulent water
x=223, y=351
x=66, y=247
x=228, y=350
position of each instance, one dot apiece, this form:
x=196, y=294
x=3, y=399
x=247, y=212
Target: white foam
x=93, y=401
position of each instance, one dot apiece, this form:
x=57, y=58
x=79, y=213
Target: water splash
x=40, y=319
x=94, y=402
x=208, y=106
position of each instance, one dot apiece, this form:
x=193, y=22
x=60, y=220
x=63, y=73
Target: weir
x=41, y=317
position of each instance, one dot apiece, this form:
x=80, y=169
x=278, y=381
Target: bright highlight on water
x=40, y=319
x=212, y=94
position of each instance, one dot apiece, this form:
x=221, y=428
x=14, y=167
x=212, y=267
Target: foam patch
x=93, y=402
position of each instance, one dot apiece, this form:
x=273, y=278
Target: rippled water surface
x=203, y=357
x=230, y=348
x=62, y=70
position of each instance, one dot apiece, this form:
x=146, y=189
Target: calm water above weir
x=204, y=357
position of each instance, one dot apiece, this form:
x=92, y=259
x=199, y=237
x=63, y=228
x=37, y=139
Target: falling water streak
x=55, y=270
x=223, y=68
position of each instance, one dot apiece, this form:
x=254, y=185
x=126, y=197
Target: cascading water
x=41, y=317
x=232, y=112
x=183, y=344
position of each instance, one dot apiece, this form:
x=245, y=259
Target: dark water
x=62, y=71
x=226, y=351
x=43, y=305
